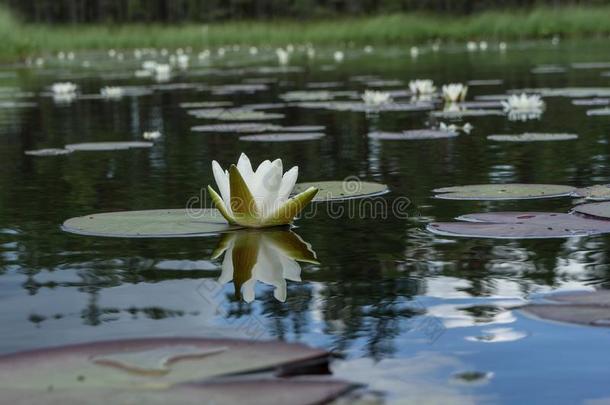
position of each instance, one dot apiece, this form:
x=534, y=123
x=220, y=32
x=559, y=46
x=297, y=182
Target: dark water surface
x=423, y=309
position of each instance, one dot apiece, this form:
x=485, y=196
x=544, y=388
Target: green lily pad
x=290, y=137
x=598, y=112
x=600, y=209
x=599, y=192
x=168, y=370
x=48, y=152
x=503, y=191
x=104, y=146
x=242, y=127
x=227, y=114
x=149, y=224
x=532, y=137
x=449, y=114
x=342, y=190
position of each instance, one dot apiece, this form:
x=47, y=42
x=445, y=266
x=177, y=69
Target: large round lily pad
x=342, y=190
x=512, y=191
x=149, y=224
x=168, y=370
x=532, y=137
x=290, y=137
x=104, y=146
x=412, y=135
x=521, y=225
x=599, y=209
x=583, y=308
x=226, y=114
x=598, y=112
x=599, y=192
x=449, y=114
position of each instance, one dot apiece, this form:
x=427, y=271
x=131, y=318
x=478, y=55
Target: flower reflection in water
x=271, y=256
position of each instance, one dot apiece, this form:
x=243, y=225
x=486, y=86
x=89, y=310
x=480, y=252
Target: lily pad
x=599, y=209
x=485, y=82
x=417, y=134
x=512, y=191
x=591, y=101
x=149, y=224
x=245, y=127
x=206, y=104
x=599, y=192
x=226, y=114
x=466, y=113
x=104, y=146
x=290, y=137
x=342, y=190
x=168, y=370
x=532, y=137
x=583, y=308
x=575, y=92
x=303, y=128
x=598, y=111
x=48, y=152
x=321, y=95
x=521, y=225
x=362, y=107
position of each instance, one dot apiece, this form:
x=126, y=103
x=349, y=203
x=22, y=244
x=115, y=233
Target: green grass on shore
x=21, y=39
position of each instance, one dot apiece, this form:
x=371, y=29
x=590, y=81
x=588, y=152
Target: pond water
x=416, y=315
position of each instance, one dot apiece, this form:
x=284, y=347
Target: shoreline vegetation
x=24, y=39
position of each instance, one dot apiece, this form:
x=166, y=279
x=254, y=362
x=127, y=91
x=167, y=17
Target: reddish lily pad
x=599, y=192
x=582, y=308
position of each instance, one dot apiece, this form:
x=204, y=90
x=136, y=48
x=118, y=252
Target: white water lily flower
x=253, y=50
x=64, y=88
x=162, y=72
x=502, y=46
x=311, y=52
x=483, y=45
x=414, y=51
x=182, y=60
x=368, y=49
x=260, y=198
x=283, y=56
x=376, y=98
x=112, y=92
x=151, y=135
x=466, y=128
x=422, y=87
x=523, y=107
x=454, y=92
x=471, y=46
x=338, y=56
x=269, y=256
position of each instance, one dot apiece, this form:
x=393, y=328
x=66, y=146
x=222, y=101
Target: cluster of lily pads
x=587, y=219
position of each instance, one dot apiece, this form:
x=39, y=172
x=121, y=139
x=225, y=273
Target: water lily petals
x=286, y=213
x=270, y=186
x=222, y=181
x=245, y=168
x=221, y=206
x=288, y=182
x=292, y=246
x=243, y=203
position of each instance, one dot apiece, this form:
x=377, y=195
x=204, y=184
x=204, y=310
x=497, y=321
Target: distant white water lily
x=376, y=98
x=523, y=107
x=283, y=56
x=182, y=60
x=253, y=50
x=502, y=46
x=483, y=45
x=113, y=92
x=454, y=92
x=436, y=46
x=422, y=87
x=269, y=256
x=151, y=135
x=466, y=128
x=64, y=88
x=162, y=72
x=368, y=49
x=149, y=65
x=311, y=52
x=414, y=51
x=471, y=46
x=338, y=56
x=258, y=198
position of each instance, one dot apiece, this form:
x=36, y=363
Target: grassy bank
x=21, y=39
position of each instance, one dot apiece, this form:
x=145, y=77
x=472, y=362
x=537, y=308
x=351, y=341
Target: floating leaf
x=342, y=190
x=206, y=104
x=149, y=224
x=104, y=146
x=575, y=92
x=532, y=137
x=168, y=370
x=598, y=111
x=413, y=135
x=521, y=225
x=485, y=82
x=600, y=209
x=548, y=69
x=245, y=127
x=303, y=128
x=503, y=191
x=290, y=137
x=48, y=152
x=362, y=107
x=321, y=95
x=237, y=114
x=583, y=308
x=591, y=101
x=465, y=113
x=599, y=192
